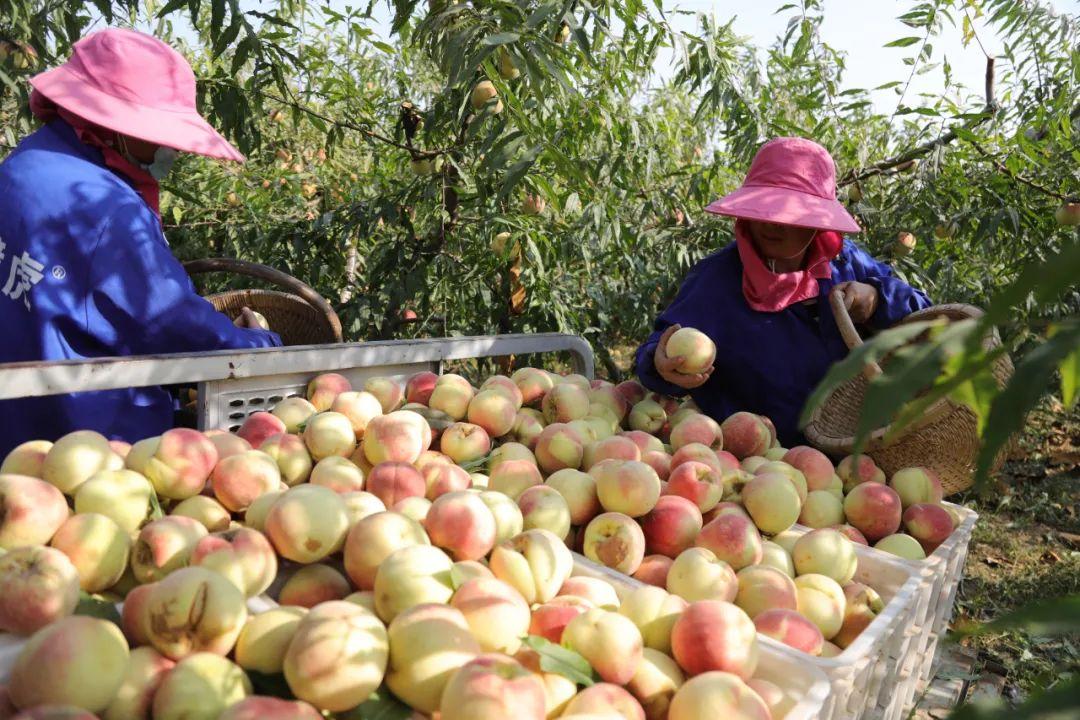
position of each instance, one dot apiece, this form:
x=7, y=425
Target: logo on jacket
x=24, y=274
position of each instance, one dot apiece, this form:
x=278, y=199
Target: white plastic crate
x=778, y=664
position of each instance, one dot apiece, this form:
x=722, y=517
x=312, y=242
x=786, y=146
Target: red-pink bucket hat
x=792, y=181
x=136, y=85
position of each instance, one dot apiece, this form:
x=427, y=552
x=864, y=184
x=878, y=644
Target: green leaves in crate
x=382, y=705
x=562, y=661
x=98, y=607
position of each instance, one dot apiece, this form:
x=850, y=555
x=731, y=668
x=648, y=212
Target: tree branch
x=1001, y=168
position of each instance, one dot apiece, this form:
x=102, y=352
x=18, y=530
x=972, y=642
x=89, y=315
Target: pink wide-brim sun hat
x=136, y=85
x=792, y=181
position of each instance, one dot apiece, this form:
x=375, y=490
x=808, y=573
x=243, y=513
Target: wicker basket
x=300, y=316
x=945, y=439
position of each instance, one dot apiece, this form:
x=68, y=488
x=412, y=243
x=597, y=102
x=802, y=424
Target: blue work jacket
x=85, y=272
x=769, y=362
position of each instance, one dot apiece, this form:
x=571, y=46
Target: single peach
x=733, y=539
x=615, y=540
x=697, y=574
x=715, y=635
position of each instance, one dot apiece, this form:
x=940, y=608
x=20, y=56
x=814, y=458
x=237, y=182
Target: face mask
x=164, y=157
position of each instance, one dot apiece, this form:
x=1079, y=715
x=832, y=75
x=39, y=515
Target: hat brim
x=785, y=207
x=181, y=130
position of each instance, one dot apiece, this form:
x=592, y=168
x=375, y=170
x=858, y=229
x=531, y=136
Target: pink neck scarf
x=767, y=291
x=95, y=136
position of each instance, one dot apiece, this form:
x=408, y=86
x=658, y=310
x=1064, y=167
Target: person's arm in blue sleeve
x=142, y=301
x=896, y=299
x=685, y=310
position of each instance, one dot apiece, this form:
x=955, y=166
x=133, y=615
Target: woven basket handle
x=848, y=331
x=269, y=274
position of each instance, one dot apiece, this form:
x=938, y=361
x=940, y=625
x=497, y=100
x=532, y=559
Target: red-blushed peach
x=579, y=490
x=626, y=486
x=697, y=428
x=322, y=390
x=201, y=685
x=791, y=628
x=122, y=495
x=494, y=411
x=527, y=427
x=256, y=428
x=659, y=461
x=399, y=436
x=418, y=387
x=928, y=523
x=855, y=470
x=654, y=685
x=497, y=615
x=772, y=502
x=503, y=384
x=775, y=442
x=242, y=555
x=813, y=464
x=611, y=448
x=821, y=600
x=388, y=391
x=602, y=699
x=647, y=416
x=338, y=474
x=461, y=524
x=410, y=576
x=96, y=546
x=307, y=523
x=544, y=507
x=508, y=518
x=697, y=482
x=762, y=588
x=133, y=618
x=265, y=638
x=565, y=402
x=822, y=509
x=773, y=555
x=644, y=441
x=294, y=412
x=874, y=509
x=598, y=592
x=291, y=455
x=536, y=563
x=615, y=540
x=509, y=451
x=493, y=687
x=163, y=546
x=443, y=478
x=194, y=610
x=901, y=545
x=27, y=459
x=654, y=570
x=180, y=464
x=717, y=695
x=631, y=390
x=558, y=447
x=715, y=635
x=693, y=349
x=452, y=395
x=145, y=670
x=733, y=539
x=41, y=585
x=392, y=482
x=75, y=457
x=696, y=452
x=313, y=584
x=863, y=605
x=85, y=660
x=609, y=642
x=726, y=508
x=428, y=644
x=671, y=526
x=513, y=477
x=32, y=511
x=465, y=442
x=329, y=433
x=226, y=443
x=745, y=434
x=916, y=485
x=373, y=539
x=852, y=534
x=697, y=574
x=258, y=707
x=359, y=408
x=239, y=479
x=654, y=611
x=825, y=552
x=533, y=384
x=549, y=619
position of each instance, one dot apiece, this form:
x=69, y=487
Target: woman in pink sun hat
x=761, y=299
x=85, y=270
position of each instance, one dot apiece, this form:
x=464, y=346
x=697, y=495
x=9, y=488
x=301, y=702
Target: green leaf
x=1049, y=618
x=272, y=685
x=562, y=661
x=904, y=42
x=1070, y=372
x=382, y=705
x=503, y=38
x=98, y=607
x=156, y=513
